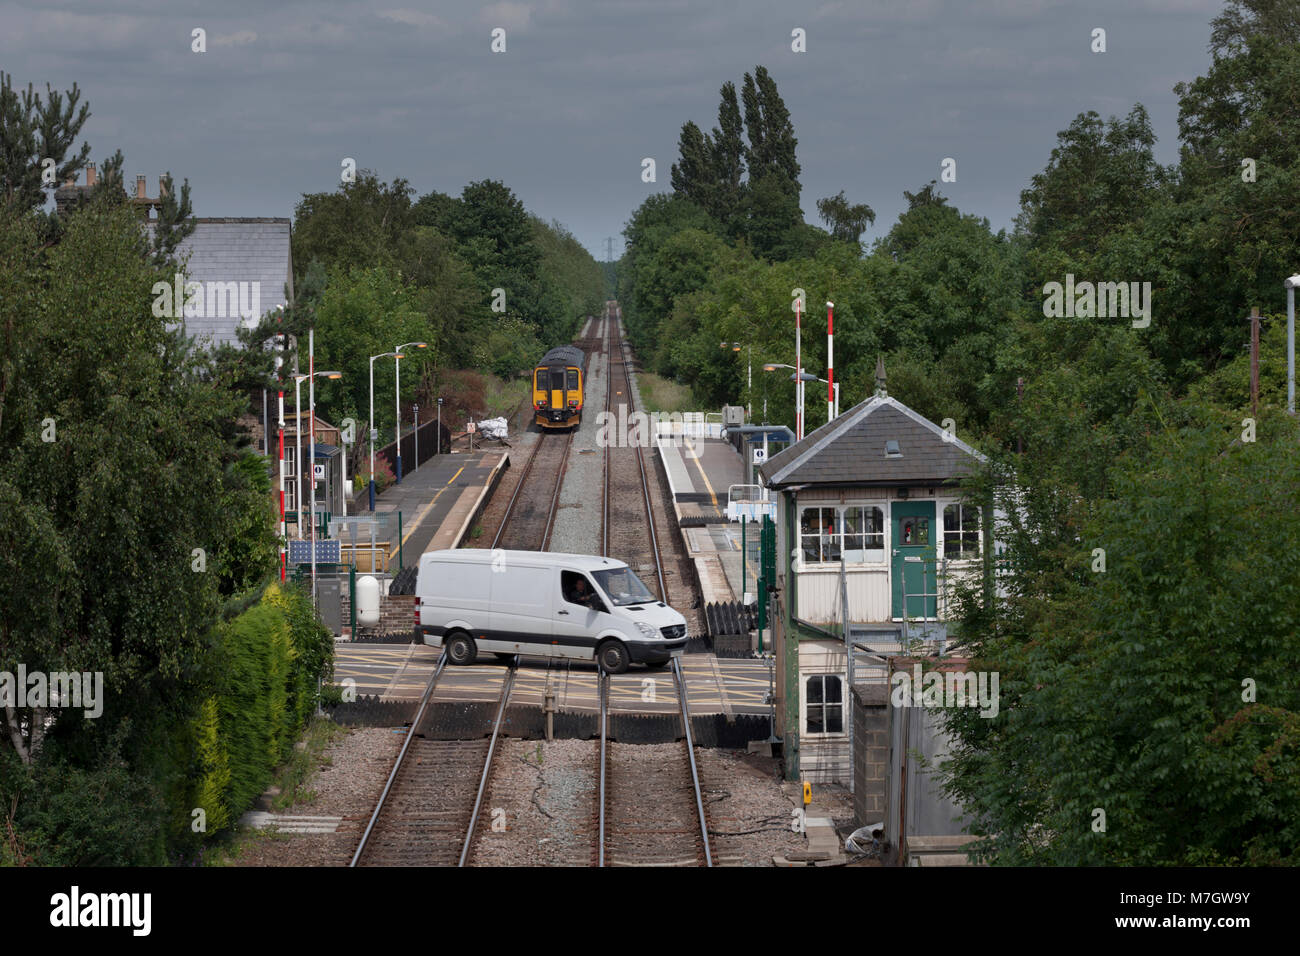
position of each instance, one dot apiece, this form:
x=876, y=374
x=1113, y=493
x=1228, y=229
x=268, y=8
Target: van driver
x=580, y=593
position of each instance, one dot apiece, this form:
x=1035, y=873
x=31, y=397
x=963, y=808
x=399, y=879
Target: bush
x=273, y=653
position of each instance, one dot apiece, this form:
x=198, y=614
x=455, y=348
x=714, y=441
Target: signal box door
x=913, y=537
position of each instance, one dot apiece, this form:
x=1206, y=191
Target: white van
x=543, y=603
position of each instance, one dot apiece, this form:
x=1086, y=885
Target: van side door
x=521, y=609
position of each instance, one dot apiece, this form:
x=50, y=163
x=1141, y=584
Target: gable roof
x=851, y=450
x=227, y=250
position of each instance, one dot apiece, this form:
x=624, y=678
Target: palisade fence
x=428, y=442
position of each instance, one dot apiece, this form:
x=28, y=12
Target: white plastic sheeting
x=492, y=428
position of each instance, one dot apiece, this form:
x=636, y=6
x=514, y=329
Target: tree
x=1159, y=691
x=772, y=141
x=728, y=157
x=693, y=175
x=846, y=222
x=1101, y=176
x=116, y=496
x=360, y=223
x=32, y=131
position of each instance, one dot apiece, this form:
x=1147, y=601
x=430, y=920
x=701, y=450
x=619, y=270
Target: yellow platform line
x=430, y=504
x=713, y=497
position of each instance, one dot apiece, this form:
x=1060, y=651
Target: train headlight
x=573, y=403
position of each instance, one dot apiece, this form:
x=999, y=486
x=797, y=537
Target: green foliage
x=1131, y=690
x=273, y=656
x=212, y=768
x=1120, y=690
x=33, y=130
x=250, y=551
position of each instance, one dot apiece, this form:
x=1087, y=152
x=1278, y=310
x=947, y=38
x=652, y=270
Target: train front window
x=573, y=379
x=557, y=379
x=541, y=379
x=623, y=587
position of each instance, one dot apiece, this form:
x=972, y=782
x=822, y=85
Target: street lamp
x=398, y=431
x=797, y=377
x=297, y=439
x=373, y=436
x=749, y=379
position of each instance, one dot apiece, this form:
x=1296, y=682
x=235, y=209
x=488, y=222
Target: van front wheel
x=460, y=649
x=612, y=657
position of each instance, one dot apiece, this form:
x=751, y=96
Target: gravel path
x=347, y=785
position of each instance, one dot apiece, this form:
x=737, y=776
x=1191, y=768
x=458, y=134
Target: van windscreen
x=623, y=586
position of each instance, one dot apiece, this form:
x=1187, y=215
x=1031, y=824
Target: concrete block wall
x=870, y=752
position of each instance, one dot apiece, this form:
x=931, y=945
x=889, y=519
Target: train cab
x=558, y=383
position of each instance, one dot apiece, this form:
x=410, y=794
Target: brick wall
x=870, y=752
x=396, y=611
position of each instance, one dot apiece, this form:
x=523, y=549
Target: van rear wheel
x=612, y=657
x=461, y=649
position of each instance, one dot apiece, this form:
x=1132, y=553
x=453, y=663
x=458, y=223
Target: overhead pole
x=1290, y=284
x=1254, y=361
x=311, y=411
x=830, y=362
x=798, y=370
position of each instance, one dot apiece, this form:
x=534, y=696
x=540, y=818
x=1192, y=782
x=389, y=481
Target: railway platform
x=440, y=500
x=700, y=470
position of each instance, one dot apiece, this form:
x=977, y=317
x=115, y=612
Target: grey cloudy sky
x=585, y=90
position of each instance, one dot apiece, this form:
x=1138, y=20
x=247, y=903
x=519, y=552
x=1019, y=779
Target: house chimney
x=139, y=187
x=90, y=174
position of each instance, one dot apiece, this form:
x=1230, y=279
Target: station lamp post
x=373, y=436
x=833, y=409
x=749, y=379
x=398, y=429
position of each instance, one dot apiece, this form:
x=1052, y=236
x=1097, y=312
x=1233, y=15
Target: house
x=871, y=526
x=235, y=269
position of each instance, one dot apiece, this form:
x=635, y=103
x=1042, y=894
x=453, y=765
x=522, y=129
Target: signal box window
x=961, y=532
x=825, y=705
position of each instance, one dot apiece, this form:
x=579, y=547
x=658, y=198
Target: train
x=559, y=380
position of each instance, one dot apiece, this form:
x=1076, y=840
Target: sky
x=585, y=91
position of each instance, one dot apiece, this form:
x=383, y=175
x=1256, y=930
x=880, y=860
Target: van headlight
x=648, y=632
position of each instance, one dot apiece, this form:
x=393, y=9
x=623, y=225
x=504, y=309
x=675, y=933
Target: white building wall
x=823, y=758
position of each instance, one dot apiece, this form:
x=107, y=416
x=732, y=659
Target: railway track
x=530, y=515
x=428, y=812
x=650, y=819
x=637, y=523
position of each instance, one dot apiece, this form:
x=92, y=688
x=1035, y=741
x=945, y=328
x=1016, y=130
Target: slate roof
x=851, y=451
x=237, y=250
